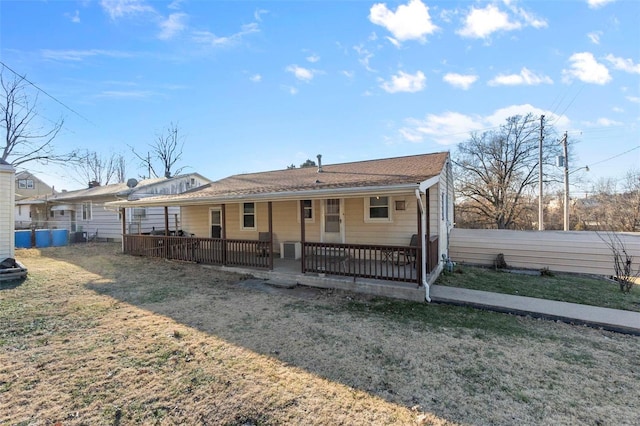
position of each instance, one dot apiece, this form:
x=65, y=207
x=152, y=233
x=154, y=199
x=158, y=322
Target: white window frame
x=367, y=210
x=311, y=219
x=30, y=184
x=87, y=211
x=255, y=217
x=22, y=184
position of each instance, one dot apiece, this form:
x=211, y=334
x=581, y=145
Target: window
x=377, y=209
x=25, y=183
x=308, y=211
x=86, y=211
x=248, y=213
x=22, y=183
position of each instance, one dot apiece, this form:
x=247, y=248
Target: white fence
x=574, y=251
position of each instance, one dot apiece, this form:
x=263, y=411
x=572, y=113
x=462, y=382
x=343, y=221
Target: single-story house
x=84, y=212
x=386, y=219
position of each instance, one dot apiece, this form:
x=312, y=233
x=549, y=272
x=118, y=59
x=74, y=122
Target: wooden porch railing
x=391, y=263
x=215, y=251
x=433, y=258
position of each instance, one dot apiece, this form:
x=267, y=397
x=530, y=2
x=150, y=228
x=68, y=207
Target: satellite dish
x=131, y=183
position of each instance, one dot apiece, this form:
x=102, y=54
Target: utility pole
x=540, y=207
x=566, y=182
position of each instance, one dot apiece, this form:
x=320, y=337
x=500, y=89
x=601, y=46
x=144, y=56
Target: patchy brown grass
x=97, y=337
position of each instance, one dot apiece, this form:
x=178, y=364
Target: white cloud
x=481, y=23
x=634, y=99
x=404, y=82
x=451, y=128
x=364, y=56
x=120, y=8
x=445, y=129
x=173, y=25
x=131, y=94
x=79, y=55
x=257, y=15
x=410, y=21
x=595, y=4
x=603, y=122
x=460, y=81
x=303, y=74
x=348, y=74
x=313, y=58
x=585, y=68
x=256, y=78
x=595, y=36
x=290, y=89
x=623, y=64
x=73, y=17
x=206, y=37
x=525, y=77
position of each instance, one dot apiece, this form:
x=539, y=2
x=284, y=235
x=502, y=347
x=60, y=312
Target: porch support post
x=424, y=223
x=270, y=216
x=223, y=232
x=166, y=221
x=428, y=229
x=302, y=236
x=421, y=264
x=124, y=225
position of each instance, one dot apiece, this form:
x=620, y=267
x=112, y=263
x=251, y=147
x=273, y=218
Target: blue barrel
x=23, y=239
x=43, y=238
x=59, y=237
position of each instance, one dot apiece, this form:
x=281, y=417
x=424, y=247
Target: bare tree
x=497, y=170
x=623, y=267
x=95, y=169
x=614, y=205
x=166, y=150
x=24, y=138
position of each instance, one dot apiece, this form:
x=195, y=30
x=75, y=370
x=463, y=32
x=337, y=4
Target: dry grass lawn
x=97, y=337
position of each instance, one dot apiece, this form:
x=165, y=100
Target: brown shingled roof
x=388, y=171
x=371, y=173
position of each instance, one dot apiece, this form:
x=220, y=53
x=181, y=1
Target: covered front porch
x=383, y=270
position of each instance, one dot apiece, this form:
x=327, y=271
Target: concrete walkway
x=593, y=316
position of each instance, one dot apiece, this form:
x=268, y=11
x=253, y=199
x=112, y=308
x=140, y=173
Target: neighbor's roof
x=117, y=189
x=406, y=172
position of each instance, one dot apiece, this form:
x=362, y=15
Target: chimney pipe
x=319, y=163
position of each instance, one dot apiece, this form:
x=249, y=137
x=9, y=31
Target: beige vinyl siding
x=574, y=251
x=7, y=224
x=397, y=232
x=195, y=220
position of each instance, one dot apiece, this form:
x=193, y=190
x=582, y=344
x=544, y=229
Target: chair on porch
x=264, y=241
x=410, y=255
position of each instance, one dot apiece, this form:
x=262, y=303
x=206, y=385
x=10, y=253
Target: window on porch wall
x=248, y=216
x=377, y=209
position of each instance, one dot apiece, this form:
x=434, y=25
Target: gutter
x=423, y=242
x=272, y=196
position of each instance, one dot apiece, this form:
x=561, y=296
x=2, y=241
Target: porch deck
x=391, y=271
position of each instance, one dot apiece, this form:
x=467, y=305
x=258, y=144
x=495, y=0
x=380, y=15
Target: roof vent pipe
x=319, y=163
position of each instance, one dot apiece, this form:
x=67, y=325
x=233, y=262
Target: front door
x=216, y=223
x=73, y=220
x=333, y=229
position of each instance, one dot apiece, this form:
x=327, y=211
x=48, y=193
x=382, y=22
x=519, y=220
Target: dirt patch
x=97, y=337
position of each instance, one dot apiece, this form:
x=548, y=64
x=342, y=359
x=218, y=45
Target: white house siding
x=7, y=201
x=22, y=216
x=574, y=251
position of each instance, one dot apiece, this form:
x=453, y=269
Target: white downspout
x=423, y=242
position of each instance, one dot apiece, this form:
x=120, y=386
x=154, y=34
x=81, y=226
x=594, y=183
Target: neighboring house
x=7, y=196
x=31, y=196
x=84, y=210
x=360, y=214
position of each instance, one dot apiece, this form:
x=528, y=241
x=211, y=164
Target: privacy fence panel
x=573, y=251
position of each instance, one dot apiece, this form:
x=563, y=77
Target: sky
x=256, y=86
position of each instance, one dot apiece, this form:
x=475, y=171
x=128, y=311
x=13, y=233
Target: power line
x=615, y=156
x=47, y=94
